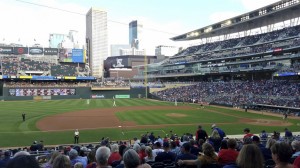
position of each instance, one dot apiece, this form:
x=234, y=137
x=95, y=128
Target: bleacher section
x=277, y=93
x=14, y=65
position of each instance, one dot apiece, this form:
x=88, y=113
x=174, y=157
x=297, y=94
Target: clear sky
x=162, y=19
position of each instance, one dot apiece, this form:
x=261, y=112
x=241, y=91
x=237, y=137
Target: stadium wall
x=81, y=93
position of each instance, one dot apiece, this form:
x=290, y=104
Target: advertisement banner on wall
x=20, y=50
x=6, y=50
x=36, y=51
x=98, y=96
x=122, y=96
x=50, y=51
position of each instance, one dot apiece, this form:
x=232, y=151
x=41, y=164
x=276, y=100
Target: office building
x=135, y=34
x=96, y=40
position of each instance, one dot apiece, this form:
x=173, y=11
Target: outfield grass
x=15, y=132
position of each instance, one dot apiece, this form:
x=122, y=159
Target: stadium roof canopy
x=277, y=12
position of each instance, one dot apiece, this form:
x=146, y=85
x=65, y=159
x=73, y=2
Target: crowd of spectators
x=112, y=84
x=10, y=65
x=156, y=84
x=31, y=65
x=204, y=148
x=260, y=43
x=277, y=92
x=14, y=65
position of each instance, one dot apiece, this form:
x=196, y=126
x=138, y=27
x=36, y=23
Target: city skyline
x=29, y=20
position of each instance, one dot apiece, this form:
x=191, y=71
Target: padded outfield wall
x=15, y=93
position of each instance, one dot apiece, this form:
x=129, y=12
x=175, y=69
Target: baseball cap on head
x=213, y=126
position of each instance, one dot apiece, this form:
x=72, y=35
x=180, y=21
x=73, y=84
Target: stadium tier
x=276, y=51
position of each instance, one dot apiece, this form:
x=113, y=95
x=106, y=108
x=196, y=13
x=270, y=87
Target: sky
x=25, y=20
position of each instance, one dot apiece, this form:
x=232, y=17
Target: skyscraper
x=135, y=31
x=96, y=40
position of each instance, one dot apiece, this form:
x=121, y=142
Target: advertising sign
x=36, y=51
x=43, y=78
x=122, y=96
x=77, y=56
x=6, y=50
x=98, y=96
x=50, y=51
x=20, y=50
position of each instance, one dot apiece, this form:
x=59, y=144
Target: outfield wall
x=14, y=93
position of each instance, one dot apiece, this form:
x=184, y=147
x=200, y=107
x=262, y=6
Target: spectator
x=6, y=159
x=296, y=163
x=91, y=159
x=228, y=156
x=132, y=160
x=220, y=131
x=265, y=152
x=281, y=154
x=166, y=155
x=61, y=161
x=296, y=147
x=102, y=155
x=149, y=156
x=288, y=135
x=250, y=156
x=49, y=164
x=201, y=134
x=215, y=140
x=208, y=157
x=156, y=149
x=114, y=156
x=24, y=161
x=73, y=154
x=247, y=133
x=185, y=153
x=175, y=148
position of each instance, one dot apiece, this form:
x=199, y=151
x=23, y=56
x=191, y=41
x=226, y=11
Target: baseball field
x=54, y=121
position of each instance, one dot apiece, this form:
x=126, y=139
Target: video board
x=71, y=55
x=42, y=92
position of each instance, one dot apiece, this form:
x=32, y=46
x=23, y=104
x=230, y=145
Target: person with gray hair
x=21, y=153
x=132, y=160
x=102, y=155
x=73, y=154
x=296, y=147
x=114, y=156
